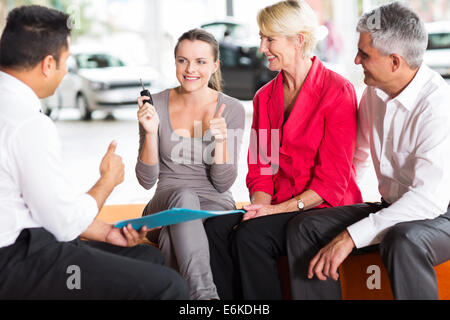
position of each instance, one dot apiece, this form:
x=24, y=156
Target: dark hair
x=199, y=34
x=31, y=34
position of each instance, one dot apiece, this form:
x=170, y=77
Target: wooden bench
x=353, y=272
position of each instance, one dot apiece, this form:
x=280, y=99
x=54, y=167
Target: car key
x=146, y=93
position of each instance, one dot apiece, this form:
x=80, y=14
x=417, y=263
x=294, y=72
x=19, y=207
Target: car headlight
x=444, y=71
x=99, y=86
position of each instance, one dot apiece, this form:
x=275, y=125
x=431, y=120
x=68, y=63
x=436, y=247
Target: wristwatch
x=300, y=205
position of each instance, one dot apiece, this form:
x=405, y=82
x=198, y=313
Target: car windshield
x=439, y=41
x=221, y=30
x=93, y=61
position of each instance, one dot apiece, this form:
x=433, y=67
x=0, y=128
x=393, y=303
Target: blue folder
x=172, y=216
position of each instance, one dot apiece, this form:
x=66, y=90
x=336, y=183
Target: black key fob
x=146, y=93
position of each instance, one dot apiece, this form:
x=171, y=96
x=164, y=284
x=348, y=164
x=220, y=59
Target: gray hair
x=396, y=29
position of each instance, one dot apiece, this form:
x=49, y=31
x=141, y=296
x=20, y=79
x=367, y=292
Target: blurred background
x=115, y=43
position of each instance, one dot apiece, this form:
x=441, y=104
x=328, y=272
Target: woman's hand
x=218, y=126
x=258, y=210
x=147, y=116
x=126, y=237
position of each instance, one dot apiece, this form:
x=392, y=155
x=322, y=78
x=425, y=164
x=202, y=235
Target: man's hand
x=112, y=171
x=112, y=167
x=327, y=261
x=106, y=232
x=125, y=237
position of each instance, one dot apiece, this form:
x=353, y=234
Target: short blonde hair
x=288, y=18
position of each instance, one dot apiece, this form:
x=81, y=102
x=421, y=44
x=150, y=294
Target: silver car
x=437, y=55
x=100, y=81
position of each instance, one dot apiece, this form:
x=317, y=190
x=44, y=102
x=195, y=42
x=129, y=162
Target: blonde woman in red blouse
x=300, y=158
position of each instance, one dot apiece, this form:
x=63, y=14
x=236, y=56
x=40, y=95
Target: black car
x=244, y=68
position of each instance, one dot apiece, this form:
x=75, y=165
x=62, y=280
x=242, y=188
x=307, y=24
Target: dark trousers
x=409, y=251
x=37, y=266
x=244, y=255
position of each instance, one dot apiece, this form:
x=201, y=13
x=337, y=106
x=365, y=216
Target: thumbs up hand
x=218, y=125
x=112, y=166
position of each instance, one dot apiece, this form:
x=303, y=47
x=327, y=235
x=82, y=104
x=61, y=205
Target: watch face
x=300, y=204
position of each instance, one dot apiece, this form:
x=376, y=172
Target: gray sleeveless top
x=188, y=162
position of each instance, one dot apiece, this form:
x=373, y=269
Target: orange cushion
x=443, y=280
x=115, y=213
x=354, y=277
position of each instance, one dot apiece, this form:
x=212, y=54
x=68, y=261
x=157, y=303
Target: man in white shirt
x=41, y=216
x=404, y=124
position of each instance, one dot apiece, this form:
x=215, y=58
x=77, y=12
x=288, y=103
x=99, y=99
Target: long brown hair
x=199, y=34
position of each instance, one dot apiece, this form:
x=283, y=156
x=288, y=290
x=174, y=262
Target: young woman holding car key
x=189, y=142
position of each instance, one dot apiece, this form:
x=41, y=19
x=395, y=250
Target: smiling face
x=195, y=64
x=279, y=50
x=377, y=67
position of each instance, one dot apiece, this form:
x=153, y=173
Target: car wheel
x=47, y=110
x=83, y=106
x=50, y=105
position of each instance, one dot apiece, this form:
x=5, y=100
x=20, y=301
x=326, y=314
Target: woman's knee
x=250, y=231
x=301, y=225
x=221, y=226
x=184, y=198
x=173, y=198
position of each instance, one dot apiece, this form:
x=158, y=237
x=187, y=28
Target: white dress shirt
x=34, y=190
x=408, y=138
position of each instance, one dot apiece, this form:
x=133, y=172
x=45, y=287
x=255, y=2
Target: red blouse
x=314, y=148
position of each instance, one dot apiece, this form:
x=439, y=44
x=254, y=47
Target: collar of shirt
x=309, y=94
x=14, y=85
x=408, y=97
x=313, y=83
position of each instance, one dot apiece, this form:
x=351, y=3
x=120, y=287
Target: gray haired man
x=404, y=125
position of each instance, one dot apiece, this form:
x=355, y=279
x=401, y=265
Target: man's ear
x=396, y=62
x=47, y=65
